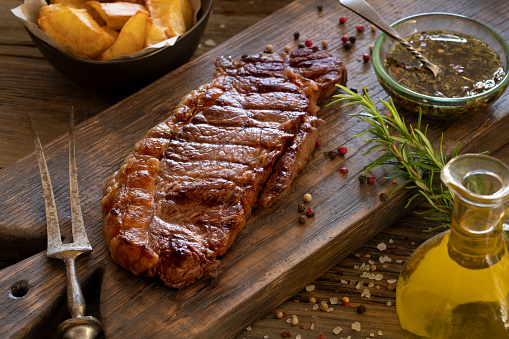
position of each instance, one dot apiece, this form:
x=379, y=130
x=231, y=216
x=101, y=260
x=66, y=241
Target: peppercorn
x=301, y=208
x=325, y=43
x=321, y=336
x=343, y=170
x=342, y=19
x=324, y=306
x=366, y=57
x=361, y=309
x=362, y=178
x=345, y=38
x=243, y=56
x=319, y=7
x=347, y=45
x=286, y=334
x=372, y=268
x=371, y=48
x=373, y=28
x=332, y=154
x=312, y=300
x=342, y=150
x=279, y=314
x=345, y=299
x=296, y=35
x=345, y=303
x=310, y=212
x=307, y=197
x=303, y=219
x=353, y=39
x=295, y=320
x=391, y=287
x=384, y=196
x=301, y=46
x=287, y=48
x=354, y=89
x=308, y=43
x=360, y=28
x=269, y=48
x=318, y=143
x=371, y=180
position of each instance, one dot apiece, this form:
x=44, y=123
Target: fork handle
x=75, y=298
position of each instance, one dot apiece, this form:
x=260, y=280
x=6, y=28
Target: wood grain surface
x=274, y=258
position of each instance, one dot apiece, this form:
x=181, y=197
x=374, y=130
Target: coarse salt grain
x=266, y=336
x=371, y=334
x=210, y=43
x=334, y=300
x=385, y=266
x=366, y=293
x=379, y=277
x=371, y=284
x=298, y=336
x=381, y=246
x=248, y=328
x=389, y=303
x=399, y=261
x=313, y=326
x=355, y=267
x=371, y=262
x=359, y=285
x=329, y=309
x=380, y=333
x=315, y=307
x=356, y=326
x=385, y=258
x=310, y=287
x=288, y=320
x=344, y=281
x=392, y=281
x=337, y=330
x=358, y=255
x=391, y=241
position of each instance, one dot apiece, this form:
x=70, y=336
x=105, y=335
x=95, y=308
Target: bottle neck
x=476, y=234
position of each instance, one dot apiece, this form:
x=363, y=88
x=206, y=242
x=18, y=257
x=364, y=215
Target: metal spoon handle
x=363, y=9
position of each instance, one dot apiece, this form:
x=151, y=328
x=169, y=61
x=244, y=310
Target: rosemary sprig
x=407, y=152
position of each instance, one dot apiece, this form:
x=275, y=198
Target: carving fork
x=79, y=326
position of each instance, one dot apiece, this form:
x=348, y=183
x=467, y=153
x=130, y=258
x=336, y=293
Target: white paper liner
x=28, y=13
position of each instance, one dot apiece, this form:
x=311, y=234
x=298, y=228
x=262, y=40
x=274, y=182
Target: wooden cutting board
x=274, y=256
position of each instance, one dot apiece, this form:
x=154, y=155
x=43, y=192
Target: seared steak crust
x=181, y=197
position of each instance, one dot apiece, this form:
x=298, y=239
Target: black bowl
x=128, y=74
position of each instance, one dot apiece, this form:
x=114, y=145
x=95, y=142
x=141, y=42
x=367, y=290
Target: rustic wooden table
x=29, y=84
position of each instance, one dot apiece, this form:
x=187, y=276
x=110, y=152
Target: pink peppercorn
x=345, y=303
x=345, y=38
x=366, y=57
x=360, y=28
x=318, y=143
x=371, y=180
x=308, y=43
x=342, y=19
x=342, y=150
x=310, y=212
x=343, y=170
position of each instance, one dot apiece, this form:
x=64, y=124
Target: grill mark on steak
x=179, y=201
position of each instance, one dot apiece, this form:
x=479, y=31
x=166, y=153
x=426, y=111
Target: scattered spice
x=342, y=150
x=343, y=170
x=337, y=330
x=345, y=303
x=324, y=306
x=308, y=43
x=319, y=8
x=243, y=56
x=361, y=309
x=279, y=314
x=370, y=180
x=354, y=89
x=269, y=48
x=300, y=46
x=295, y=320
x=286, y=334
x=296, y=35
x=342, y=19
x=347, y=45
x=332, y=154
x=287, y=48
x=310, y=212
x=301, y=208
x=362, y=178
x=318, y=143
x=391, y=287
x=345, y=299
x=303, y=219
x=325, y=43
x=360, y=28
x=345, y=38
x=312, y=300
x=356, y=326
x=310, y=288
x=366, y=57
x=307, y=197
x=321, y=336
x=353, y=39
x=367, y=255
x=395, y=181
x=373, y=28
x=371, y=47
x=372, y=268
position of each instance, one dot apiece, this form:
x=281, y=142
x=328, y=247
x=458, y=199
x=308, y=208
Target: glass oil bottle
x=456, y=284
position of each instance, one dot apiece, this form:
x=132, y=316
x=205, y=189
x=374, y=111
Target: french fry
x=76, y=28
x=115, y=14
x=111, y=31
x=82, y=4
x=168, y=14
x=187, y=12
x=155, y=33
x=50, y=9
x=131, y=38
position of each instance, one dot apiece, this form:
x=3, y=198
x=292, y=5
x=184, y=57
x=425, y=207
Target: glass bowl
x=439, y=107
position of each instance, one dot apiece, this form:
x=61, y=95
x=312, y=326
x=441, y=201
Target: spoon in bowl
x=363, y=9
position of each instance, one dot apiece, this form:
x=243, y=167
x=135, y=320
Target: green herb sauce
x=467, y=65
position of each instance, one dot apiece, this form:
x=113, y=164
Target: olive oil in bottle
x=456, y=285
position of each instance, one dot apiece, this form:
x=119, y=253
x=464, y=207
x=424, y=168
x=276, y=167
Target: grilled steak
x=181, y=197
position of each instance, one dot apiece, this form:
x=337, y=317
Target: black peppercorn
x=302, y=219
x=301, y=208
x=384, y=197
x=296, y=35
x=301, y=46
x=319, y=7
x=347, y=45
x=361, y=309
x=243, y=56
x=353, y=89
x=352, y=39
x=362, y=178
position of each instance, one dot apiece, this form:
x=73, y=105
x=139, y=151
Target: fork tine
x=79, y=234
x=53, y=228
